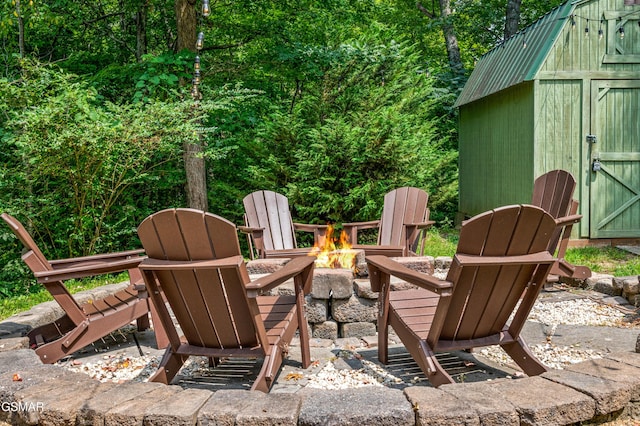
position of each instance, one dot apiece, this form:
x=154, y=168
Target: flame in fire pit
x=335, y=252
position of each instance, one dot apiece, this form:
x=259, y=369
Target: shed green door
x=615, y=186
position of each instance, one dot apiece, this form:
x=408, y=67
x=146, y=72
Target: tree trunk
x=512, y=18
x=187, y=24
x=194, y=163
x=141, y=32
x=451, y=41
x=453, y=50
x=20, y=29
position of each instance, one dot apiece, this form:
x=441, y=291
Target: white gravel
x=118, y=367
x=577, y=312
x=571, y=312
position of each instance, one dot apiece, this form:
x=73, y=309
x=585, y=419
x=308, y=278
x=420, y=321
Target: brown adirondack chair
x=553, y=192
x=404, y=218
x=271, y=233
x=82, y=324
x=194, y=257
x=501, y=259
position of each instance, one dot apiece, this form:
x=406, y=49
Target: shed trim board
x=572, y=86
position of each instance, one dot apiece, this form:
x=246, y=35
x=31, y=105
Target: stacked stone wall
x=341, y=303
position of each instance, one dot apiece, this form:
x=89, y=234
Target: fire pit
x=341, y=303
x=337, y=253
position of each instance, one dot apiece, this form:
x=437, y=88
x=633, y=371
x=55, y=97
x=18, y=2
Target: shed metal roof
x=517, y=59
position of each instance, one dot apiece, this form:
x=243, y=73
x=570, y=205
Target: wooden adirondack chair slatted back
x=485, y=296
x=402, y=206
x=270, y=211
x=81, y=324
x=553, y=192
x=40, y=263
x=210, y=305
x=37, y=262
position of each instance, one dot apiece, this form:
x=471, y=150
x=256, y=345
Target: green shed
x=564, y=93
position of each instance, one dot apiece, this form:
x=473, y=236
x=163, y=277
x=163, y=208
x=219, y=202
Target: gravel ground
x=119, y=366
x=585, y=311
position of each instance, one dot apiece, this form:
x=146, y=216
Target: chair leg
x=169, y=367
x=581, y=272
x=47, y=339
x=143, y=323
x=522, y=355
x=50, y=332
x=303, y=332
x=261, y=384
x=383, y=343
x=304, y=346
x=428, y=363
x=162, y=338
x=264, y=380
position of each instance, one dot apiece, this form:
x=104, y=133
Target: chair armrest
x=88, y=269
x=568, y=220
x=78, y=261
x=362, y=225
x=249, y=230
x=353, y=228
x=543, y=258
x=292, y=268
x=422, y=225
x=308, y=227
x=187, y=265
x=391, y=267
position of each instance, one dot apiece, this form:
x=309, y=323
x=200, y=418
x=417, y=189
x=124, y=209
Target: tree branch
x=424, y=10
x=103, y=17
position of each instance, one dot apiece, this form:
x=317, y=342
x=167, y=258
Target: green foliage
x=365, y=127
x=85, y=37
x=82, y=174
x=161, y=75
x=441, y=241
x=155, y=78
x=88, y=158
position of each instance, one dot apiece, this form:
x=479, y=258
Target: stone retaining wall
x=588, y=392
x=341, y=302
x=626, y=287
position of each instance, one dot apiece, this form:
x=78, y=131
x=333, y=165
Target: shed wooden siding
x=563, y=101
x=496, y=148
x=559, y=126
x=568, y=77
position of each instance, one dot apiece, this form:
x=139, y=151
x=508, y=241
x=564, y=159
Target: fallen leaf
x=17, y=377
x=294, y=376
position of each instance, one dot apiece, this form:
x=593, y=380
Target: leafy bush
x=82, y=174
x=361, y=125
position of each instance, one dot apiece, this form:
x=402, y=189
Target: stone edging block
x=581, y=392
